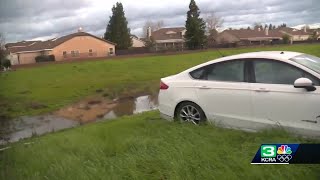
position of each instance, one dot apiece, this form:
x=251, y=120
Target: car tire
x=190, y=112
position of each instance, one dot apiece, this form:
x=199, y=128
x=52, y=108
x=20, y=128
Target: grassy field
x=43, y=89
x=136, y=147
x=147, y=147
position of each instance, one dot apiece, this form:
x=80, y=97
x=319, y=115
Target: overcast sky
x=29, y=19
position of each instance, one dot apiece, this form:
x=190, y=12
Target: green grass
x=137, y=147
x=58, y=85
x=147, y=147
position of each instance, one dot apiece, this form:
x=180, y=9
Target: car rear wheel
x=191, y=113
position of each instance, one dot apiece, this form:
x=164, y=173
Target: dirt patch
x=94, y=102
x=87, y=110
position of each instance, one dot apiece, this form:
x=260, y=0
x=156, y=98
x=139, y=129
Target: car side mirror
x=304, y=83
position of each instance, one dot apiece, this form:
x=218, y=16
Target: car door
x=276, y=101
x=224, y=93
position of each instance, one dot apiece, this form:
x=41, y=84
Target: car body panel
x=245, y=105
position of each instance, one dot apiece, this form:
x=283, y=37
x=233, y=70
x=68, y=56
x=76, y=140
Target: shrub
x=286, y=39
x=6, y=63
x=44, y=58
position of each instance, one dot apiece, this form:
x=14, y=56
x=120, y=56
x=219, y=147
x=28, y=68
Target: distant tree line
x=118, y=32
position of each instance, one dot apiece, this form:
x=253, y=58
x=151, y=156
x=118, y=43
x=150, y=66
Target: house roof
x=248, y=33
x=20, y=44
x=293, y=32
x=168, y=33
x=49, y=44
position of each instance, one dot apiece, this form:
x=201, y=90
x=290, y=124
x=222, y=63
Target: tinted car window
x=198, y=74
x=226, y=71
x=274, y=72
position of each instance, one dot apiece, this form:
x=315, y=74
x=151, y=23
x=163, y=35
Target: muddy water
x=129, y=106
x=74, y=115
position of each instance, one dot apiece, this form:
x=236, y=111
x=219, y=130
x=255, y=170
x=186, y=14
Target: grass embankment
x=147, y=147
x=136, y=147
x=47, y=88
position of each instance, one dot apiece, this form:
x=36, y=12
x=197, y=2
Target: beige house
x=72, y=46
x=136, y=42
x=168, y=38
x=260, y=36
x=296, y=35
x=249, y=36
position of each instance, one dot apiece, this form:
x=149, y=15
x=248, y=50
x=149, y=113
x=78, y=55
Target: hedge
x=44, y=58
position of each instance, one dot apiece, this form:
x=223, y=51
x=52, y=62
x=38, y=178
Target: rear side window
x=232, y=71
x=198, y=74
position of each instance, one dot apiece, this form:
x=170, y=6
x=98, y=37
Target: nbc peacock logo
x=284, y=149
x=284, y=154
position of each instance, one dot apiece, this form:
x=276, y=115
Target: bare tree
x=154, y=25
x=256, y=25
x=213, y=21
x=2, y=47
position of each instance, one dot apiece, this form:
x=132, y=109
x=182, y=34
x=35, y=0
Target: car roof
x=281, y=55
x=278, y=55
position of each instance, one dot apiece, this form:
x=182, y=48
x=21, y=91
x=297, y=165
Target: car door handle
x=204, y=87
x=262, y=90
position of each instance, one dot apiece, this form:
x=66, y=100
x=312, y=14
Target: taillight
x=163, y=86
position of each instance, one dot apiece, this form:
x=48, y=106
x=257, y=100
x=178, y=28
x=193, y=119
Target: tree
x=248, y=28
x=154, y=25
x=117, y=30
x=286, y=39
x=256, y=25
x=213, y=21
x=195, y=27
x=2, y=49
x=314, y=36
x=270, y=26
x=212, y=38
x=150, y=43
x=261, y=27
x=282, y=25
x=265, y=26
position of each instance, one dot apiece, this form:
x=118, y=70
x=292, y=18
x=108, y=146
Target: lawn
x=147, y=147
x=136, y=147
x=47, y=88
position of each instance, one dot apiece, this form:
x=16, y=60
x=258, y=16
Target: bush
x=286, y=39
x=6, y=63
x=44, y=58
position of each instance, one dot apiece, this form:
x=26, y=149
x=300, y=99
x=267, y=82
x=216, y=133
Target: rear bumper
x=166, y=117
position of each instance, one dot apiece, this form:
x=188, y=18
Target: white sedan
x=248, y=91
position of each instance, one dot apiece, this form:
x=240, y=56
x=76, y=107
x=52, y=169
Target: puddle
x=24, y=127
x=129, y=106
x=86, y=111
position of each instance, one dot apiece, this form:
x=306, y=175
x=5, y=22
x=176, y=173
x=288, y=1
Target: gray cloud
x=26, y=19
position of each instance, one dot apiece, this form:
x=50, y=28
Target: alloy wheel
x=190, y=114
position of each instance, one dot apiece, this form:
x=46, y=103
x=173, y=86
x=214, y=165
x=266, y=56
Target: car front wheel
x=190, y=112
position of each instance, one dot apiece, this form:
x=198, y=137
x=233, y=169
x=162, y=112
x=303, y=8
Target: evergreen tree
x=195, y=26
x=117, y=30
x=270, y=27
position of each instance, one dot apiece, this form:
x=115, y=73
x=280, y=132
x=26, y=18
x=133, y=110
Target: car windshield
x=311, y=62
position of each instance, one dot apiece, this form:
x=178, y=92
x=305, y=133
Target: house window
x=111, y=51
x=64, y=54
x=75, y=53
x=90, y=52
